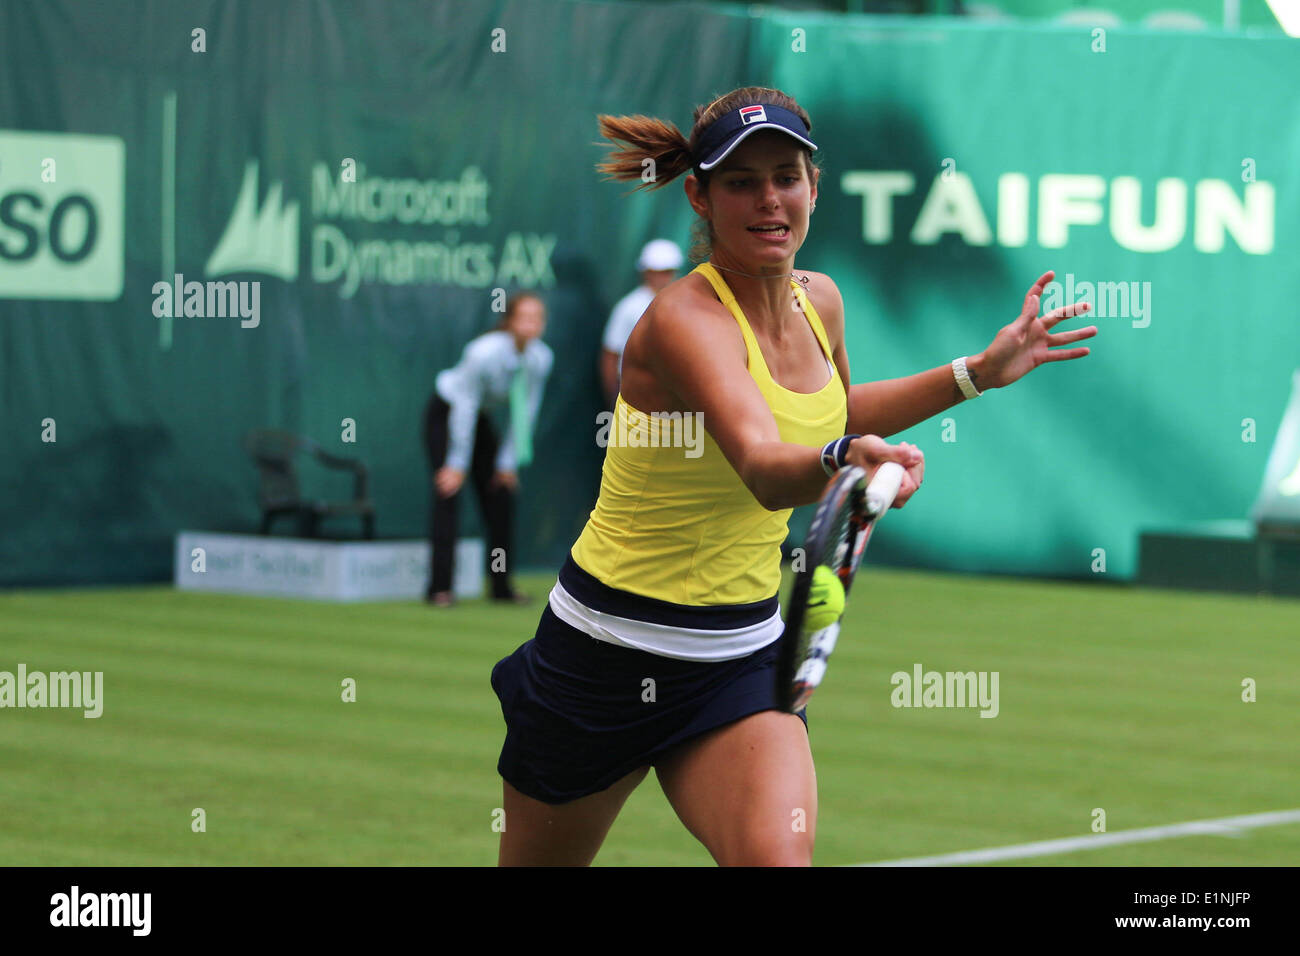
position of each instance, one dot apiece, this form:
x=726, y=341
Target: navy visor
x=728, y=131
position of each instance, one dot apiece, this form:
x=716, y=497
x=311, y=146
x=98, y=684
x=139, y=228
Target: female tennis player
x=657, y=646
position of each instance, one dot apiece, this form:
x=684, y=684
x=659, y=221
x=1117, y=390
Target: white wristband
x=963, y=378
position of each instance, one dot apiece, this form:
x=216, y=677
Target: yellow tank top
x=676, y=523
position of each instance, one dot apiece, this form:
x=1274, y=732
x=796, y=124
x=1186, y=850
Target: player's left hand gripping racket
x=846, y=515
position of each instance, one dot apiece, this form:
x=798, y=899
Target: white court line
x=1225, y=826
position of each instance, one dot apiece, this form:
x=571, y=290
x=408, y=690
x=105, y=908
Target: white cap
x=659, y=254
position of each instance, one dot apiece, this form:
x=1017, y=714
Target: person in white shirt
x=658, y=264
x=505, y=367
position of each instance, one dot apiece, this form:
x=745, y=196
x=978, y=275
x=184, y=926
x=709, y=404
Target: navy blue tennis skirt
x=581, y=714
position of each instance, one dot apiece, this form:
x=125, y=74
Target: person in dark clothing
x=505, y=367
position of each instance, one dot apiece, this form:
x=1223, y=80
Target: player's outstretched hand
x=1028, y=342
x=871, y=451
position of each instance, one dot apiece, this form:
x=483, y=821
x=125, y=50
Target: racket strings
x=835, y=540
x=841, y=536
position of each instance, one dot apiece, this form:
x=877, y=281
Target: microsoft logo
x=258, y=240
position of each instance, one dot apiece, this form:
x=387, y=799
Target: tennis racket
x=846, y=515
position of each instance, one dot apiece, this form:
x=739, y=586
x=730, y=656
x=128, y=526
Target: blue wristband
x=834, y=453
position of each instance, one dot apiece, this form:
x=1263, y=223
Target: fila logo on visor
x=752, y=114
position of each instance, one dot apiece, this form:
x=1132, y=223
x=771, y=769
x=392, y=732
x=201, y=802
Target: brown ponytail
x=657, y=153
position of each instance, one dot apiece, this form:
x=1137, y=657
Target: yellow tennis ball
x=825, y=600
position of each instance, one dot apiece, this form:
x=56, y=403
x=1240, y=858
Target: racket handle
x=883, y=488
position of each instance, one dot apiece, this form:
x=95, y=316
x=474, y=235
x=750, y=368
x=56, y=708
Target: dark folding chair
x=279, y=493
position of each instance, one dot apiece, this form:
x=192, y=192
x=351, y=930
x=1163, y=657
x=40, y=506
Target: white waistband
x=681, y=643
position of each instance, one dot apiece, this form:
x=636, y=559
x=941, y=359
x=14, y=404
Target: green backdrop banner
x=347, y=183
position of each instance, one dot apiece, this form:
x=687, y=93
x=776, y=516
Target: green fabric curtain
x=380, y=169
